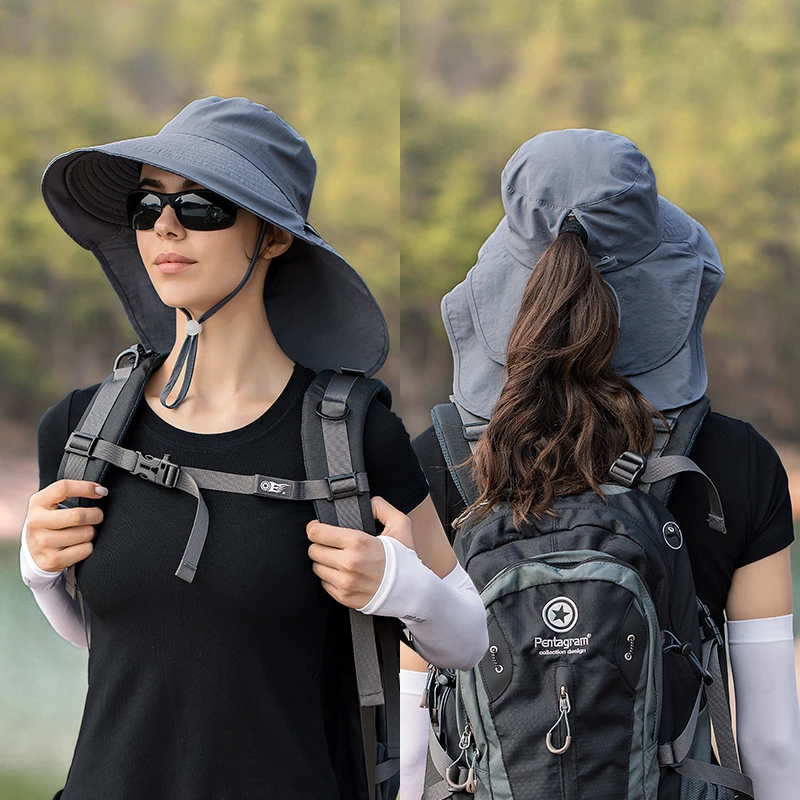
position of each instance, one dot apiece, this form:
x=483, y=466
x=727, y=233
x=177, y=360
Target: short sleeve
x=55, y=427
x=771, y=526
x=392, y=468
x=446, y=498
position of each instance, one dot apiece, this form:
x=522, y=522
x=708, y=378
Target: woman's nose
x=167, y=225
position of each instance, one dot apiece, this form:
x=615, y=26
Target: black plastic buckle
x=156, y=470
x=628, y=469
x=341, y=486
x=707, y=623
x=81, y=444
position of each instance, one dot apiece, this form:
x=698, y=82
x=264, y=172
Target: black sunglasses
x=196, y=209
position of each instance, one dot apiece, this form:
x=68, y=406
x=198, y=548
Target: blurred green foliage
x=85, y=73
x=708, y=89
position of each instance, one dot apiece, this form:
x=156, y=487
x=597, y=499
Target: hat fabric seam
x=246, y=158
x=542, y=202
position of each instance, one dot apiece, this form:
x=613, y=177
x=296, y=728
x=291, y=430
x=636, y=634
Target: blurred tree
x=709, y=91
x=86, y=73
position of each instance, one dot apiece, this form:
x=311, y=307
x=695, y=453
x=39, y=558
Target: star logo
x=560, y=614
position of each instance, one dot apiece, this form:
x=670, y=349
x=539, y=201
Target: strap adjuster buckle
x=707, y=622
x=628, y=468
x=341, y=486
x=472, y=430
x=81, y=444
x=160, y=471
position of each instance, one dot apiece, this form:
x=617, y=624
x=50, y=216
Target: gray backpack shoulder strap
x=108, y=416
x=656, y=474
x=685, y=424
x=334, y=412
x=458, y=431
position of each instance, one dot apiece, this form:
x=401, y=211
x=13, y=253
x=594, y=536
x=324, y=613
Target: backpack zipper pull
x=564, y=707
x=454, y=773
x=428, y=684
x=471, y=784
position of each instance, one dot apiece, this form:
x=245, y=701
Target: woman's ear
x=279, y=242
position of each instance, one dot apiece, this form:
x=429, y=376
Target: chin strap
x=188, y=352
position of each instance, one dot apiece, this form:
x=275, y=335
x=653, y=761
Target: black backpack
x=334, y=410
x=602, y=677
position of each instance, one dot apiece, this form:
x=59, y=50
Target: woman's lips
x=172, y=263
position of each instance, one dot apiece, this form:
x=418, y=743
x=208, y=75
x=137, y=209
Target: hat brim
x=320, y=310
x=663, y=299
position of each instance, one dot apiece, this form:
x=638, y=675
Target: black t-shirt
x=751, y=482
x=230, y=687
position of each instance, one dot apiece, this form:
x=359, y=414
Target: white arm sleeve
x=767, y=712
x=413, y=734
x=50, y=591
x=445, y=616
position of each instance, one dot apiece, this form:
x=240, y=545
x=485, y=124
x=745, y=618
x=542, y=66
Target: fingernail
x=101, y=490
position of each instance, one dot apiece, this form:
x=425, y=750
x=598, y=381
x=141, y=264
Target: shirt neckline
x=293, y=391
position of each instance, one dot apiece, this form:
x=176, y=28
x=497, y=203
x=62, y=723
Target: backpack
x=602, y=678
x=334, y=411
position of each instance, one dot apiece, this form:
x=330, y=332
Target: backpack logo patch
x=273, y=487
x=560, y=614
x=673, y=535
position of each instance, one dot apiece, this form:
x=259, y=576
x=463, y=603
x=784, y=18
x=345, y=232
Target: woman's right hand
x=57, y=537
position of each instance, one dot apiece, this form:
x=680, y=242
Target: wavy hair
x=565, y=414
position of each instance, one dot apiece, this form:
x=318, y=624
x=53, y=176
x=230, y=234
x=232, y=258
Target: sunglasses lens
x=205, y=213
x=144, y=209
x=196, y=211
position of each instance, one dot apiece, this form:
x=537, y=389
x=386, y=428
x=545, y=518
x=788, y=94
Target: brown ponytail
x=564, y=414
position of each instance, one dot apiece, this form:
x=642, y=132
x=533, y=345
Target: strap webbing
x=443, y=764
x=720, y=711
x=658, y=469
x=674, y=754
x=74, y=465
x=676, y=751
x=721, y=776
x=685, y=424
x=191, y=480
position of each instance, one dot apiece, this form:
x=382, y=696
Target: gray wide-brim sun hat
x=320, y=310
x=662, y=265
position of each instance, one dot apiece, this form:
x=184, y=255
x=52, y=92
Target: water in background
x=43, y=684
x=42, y=688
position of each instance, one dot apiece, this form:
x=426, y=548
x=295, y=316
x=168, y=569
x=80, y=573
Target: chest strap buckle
x=160, y=471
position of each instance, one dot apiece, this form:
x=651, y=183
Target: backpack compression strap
x=334, y=412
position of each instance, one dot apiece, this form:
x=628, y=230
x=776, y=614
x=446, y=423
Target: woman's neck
x=240, y=371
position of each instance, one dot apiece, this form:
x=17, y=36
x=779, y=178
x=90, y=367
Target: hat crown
x=599, y=176
x=257, y=134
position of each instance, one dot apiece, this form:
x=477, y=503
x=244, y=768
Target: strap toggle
x=160, y=471
x=628, y=469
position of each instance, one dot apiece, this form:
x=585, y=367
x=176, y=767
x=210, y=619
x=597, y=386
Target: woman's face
x=196, y=269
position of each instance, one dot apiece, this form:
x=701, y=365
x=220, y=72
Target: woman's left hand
x=350, y=563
